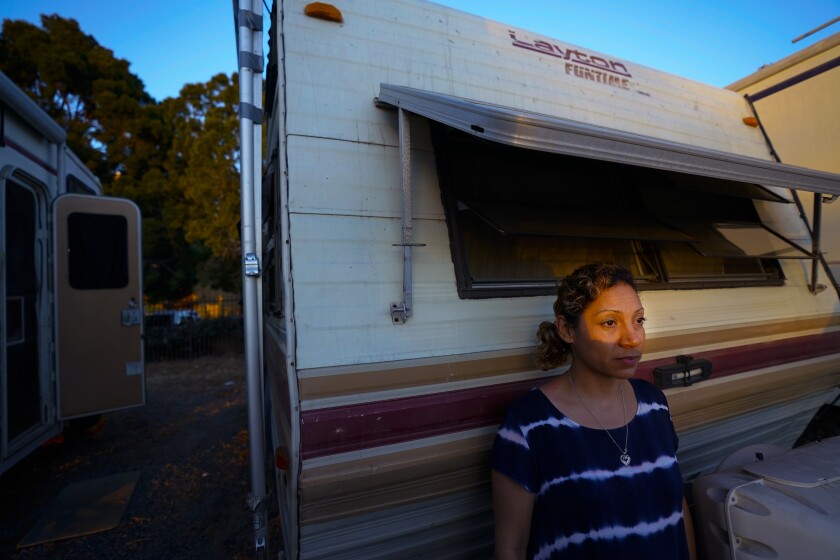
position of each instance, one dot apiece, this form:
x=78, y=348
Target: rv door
x=99, y=305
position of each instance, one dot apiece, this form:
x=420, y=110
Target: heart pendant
x=625, y=458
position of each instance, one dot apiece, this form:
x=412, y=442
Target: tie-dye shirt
x=587, y=503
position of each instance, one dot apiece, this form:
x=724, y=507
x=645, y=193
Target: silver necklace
x=624, y=457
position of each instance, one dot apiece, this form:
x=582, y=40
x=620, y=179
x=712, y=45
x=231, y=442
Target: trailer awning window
x=530, y=197
x=551, y=134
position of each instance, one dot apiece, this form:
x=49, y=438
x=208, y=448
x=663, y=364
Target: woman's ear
x=566, y=331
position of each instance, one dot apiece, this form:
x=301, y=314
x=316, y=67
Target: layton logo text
x=581, y=64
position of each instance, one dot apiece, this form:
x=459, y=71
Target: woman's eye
x=641, y=320
x=609, y=323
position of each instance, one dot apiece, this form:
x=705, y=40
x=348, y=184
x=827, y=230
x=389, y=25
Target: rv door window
x=520, y=219
x=98, y=251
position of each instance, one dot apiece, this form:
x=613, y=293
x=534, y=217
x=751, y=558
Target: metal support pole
x=815, y=243
x=250, y=66
x=401, y=311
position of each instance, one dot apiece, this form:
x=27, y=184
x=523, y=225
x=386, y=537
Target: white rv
x=70, y=285
x=430, y=175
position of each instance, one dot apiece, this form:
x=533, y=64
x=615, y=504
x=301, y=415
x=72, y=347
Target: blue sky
x=168, y=44
x=173, y=43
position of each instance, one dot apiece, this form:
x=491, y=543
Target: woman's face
x=609, y=339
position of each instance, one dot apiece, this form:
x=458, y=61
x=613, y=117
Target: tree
x=175, y=159
x=205, y=154
x=79, y=83
x=191, y=201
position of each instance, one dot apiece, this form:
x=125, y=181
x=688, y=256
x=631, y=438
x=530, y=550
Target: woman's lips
x=629, y=361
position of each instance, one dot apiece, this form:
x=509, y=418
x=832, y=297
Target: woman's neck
x=594, y=387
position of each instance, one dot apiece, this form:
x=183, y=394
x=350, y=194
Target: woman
x=585, y=466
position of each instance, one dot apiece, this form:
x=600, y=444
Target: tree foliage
x=79, y=83
x=207, y=152
x=176, y=159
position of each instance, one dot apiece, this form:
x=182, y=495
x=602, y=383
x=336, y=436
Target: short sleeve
x=649, y=392
x=512, y=454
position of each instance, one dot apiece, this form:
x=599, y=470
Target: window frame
x=646, y=250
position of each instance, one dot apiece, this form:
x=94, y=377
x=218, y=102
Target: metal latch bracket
x=252, y=265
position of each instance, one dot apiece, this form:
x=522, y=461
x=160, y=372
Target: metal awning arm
x=402, y=310
x=814, y=231
x=817, y=250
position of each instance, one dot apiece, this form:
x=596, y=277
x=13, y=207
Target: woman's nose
x=630, y=337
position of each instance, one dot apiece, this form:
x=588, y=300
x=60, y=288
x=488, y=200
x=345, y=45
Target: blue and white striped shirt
x=587, y=503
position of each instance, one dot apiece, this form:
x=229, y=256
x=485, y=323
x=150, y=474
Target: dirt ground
x=190, y=443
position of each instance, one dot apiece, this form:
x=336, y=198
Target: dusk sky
x=717, y=42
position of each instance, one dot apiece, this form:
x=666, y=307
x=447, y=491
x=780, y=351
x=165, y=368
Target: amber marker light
x=750, y=121
x=324, y=11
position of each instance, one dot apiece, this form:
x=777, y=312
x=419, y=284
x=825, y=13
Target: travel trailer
x=70, y=285
x=429, y=177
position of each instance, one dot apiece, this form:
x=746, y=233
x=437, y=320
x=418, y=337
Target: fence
x=184, y=330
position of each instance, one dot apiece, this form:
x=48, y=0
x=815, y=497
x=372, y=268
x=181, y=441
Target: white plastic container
x=779, y=504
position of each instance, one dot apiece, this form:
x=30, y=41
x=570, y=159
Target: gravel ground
x=190, y=443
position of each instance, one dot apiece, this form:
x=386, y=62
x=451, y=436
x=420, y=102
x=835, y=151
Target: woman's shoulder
x=530, y=405
x=648, y=392
x=533, y=397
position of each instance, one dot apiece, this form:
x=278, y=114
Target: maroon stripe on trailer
x=350, y=428
x=729, y=361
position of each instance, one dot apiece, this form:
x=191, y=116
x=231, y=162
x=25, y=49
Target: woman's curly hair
x=574, y=294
